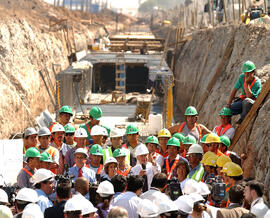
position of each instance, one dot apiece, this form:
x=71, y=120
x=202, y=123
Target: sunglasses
x=69, y=134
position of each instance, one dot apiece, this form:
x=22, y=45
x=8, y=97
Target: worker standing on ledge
x=190, y=127
x=250, y=87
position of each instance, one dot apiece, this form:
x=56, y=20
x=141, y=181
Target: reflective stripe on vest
x=27, y=171
x=99, y=169
x=198, y=175
x=107, y=153
x=119, y=172
x=51, y=150
x=197, y=126
x=244, y=96
x=218, y=129
x=88, y=129
x=168, y=170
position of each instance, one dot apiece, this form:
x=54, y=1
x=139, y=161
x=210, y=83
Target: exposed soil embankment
x=250, y=43
x=28, y=46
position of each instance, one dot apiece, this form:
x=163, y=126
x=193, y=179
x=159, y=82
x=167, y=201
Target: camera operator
x=63, y=193
x=24, y=197
x=236, y=198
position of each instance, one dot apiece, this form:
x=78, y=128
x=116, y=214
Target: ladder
x=120, y=75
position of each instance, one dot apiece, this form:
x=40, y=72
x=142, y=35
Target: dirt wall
x=250, y=43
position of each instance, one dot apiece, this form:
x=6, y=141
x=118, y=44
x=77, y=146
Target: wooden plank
x=240, y=129
x=201, y=71
x=225, y=57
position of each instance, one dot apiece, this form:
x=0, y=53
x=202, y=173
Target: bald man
x=82, y=186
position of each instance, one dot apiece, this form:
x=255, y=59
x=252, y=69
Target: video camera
x=65, y=178
x=174, y=189
x=11, y=193
x=218, y=188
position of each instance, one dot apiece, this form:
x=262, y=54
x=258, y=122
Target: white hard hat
x=110, y=160
x=184, y=204
x=105, y=189
x=259, y=209
x=73, y=204
x=116, y=132
x=32, y=211
x=141, y=150
x=3, y=197
x=80, y=133
x=27, y=194
x=195, y=149
x=58, y=128
x=88, y=207
x=191, y=186
x=196, y=197
x=44, y=131
x=267, y=215
x=147, y=208
x=81, y=151
x=5, y=212
x=30, y=131
x=165, y=206
x=41, y=175
x=97, y=130
x=204, y=189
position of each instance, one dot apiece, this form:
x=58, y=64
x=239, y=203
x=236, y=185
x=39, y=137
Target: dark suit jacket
x=231, y=213
x=56, y=211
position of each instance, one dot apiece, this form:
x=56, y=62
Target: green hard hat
x=95, y=113
x=69, y=128
x=96, y=149
x=66, y=109
x=107, y=129
x=225, y=112
x=119, y=152
x=203, y=139
x=32, y=152
x=189, y=139
x=173, y=142
x=46, y=157
x=179, y=136
x=131, y=130
x=225, y=140
x=191, y=111
x=152, y=139
x=248, y=66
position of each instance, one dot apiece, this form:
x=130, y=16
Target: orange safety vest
x=119, y=172
x=168, y=170
x=163, y=155
x=51, y=150
x=27, y=171
x=244, y=96
x=226, y=190
x=197, y=126
x=99, y=169
x=88, y=128
x=218, y=129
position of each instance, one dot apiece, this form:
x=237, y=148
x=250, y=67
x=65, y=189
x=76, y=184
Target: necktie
x=80, y=173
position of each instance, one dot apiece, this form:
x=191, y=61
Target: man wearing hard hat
x=195, y=154
x=43, y=138
x=96, y=154
x=43, y=181
x=57, y=142
x=80, y=139
x=80, y=169
x=69, y=135
x=32, y=156
x=163, y=137
x=65, y=113
x=145, y=167
x=120, y=155
x=152, y=146
x=29, y=138
x=191, y=127
x=213, y=142
x=24, y=197
x=132, y=133
x=45, y=161
x=95, y=115
x=97, y=134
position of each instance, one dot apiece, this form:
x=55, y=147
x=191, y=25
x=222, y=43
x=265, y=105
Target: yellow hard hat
x=232, y=169
x=222, y=160
x=166, y=22
x=206, y=155
x=212, y=138
x=164, y=133
x=211, y=161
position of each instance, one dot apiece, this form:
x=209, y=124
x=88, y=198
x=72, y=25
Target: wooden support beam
x=240, y=129
x=227, y=54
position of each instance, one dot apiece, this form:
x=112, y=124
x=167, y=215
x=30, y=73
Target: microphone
x=143, y=166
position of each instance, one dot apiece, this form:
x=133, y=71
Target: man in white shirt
x=130, y=200
x=254, y=195
x=146, y=165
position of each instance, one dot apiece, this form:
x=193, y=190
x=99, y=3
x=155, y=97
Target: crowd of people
x=94, y=171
